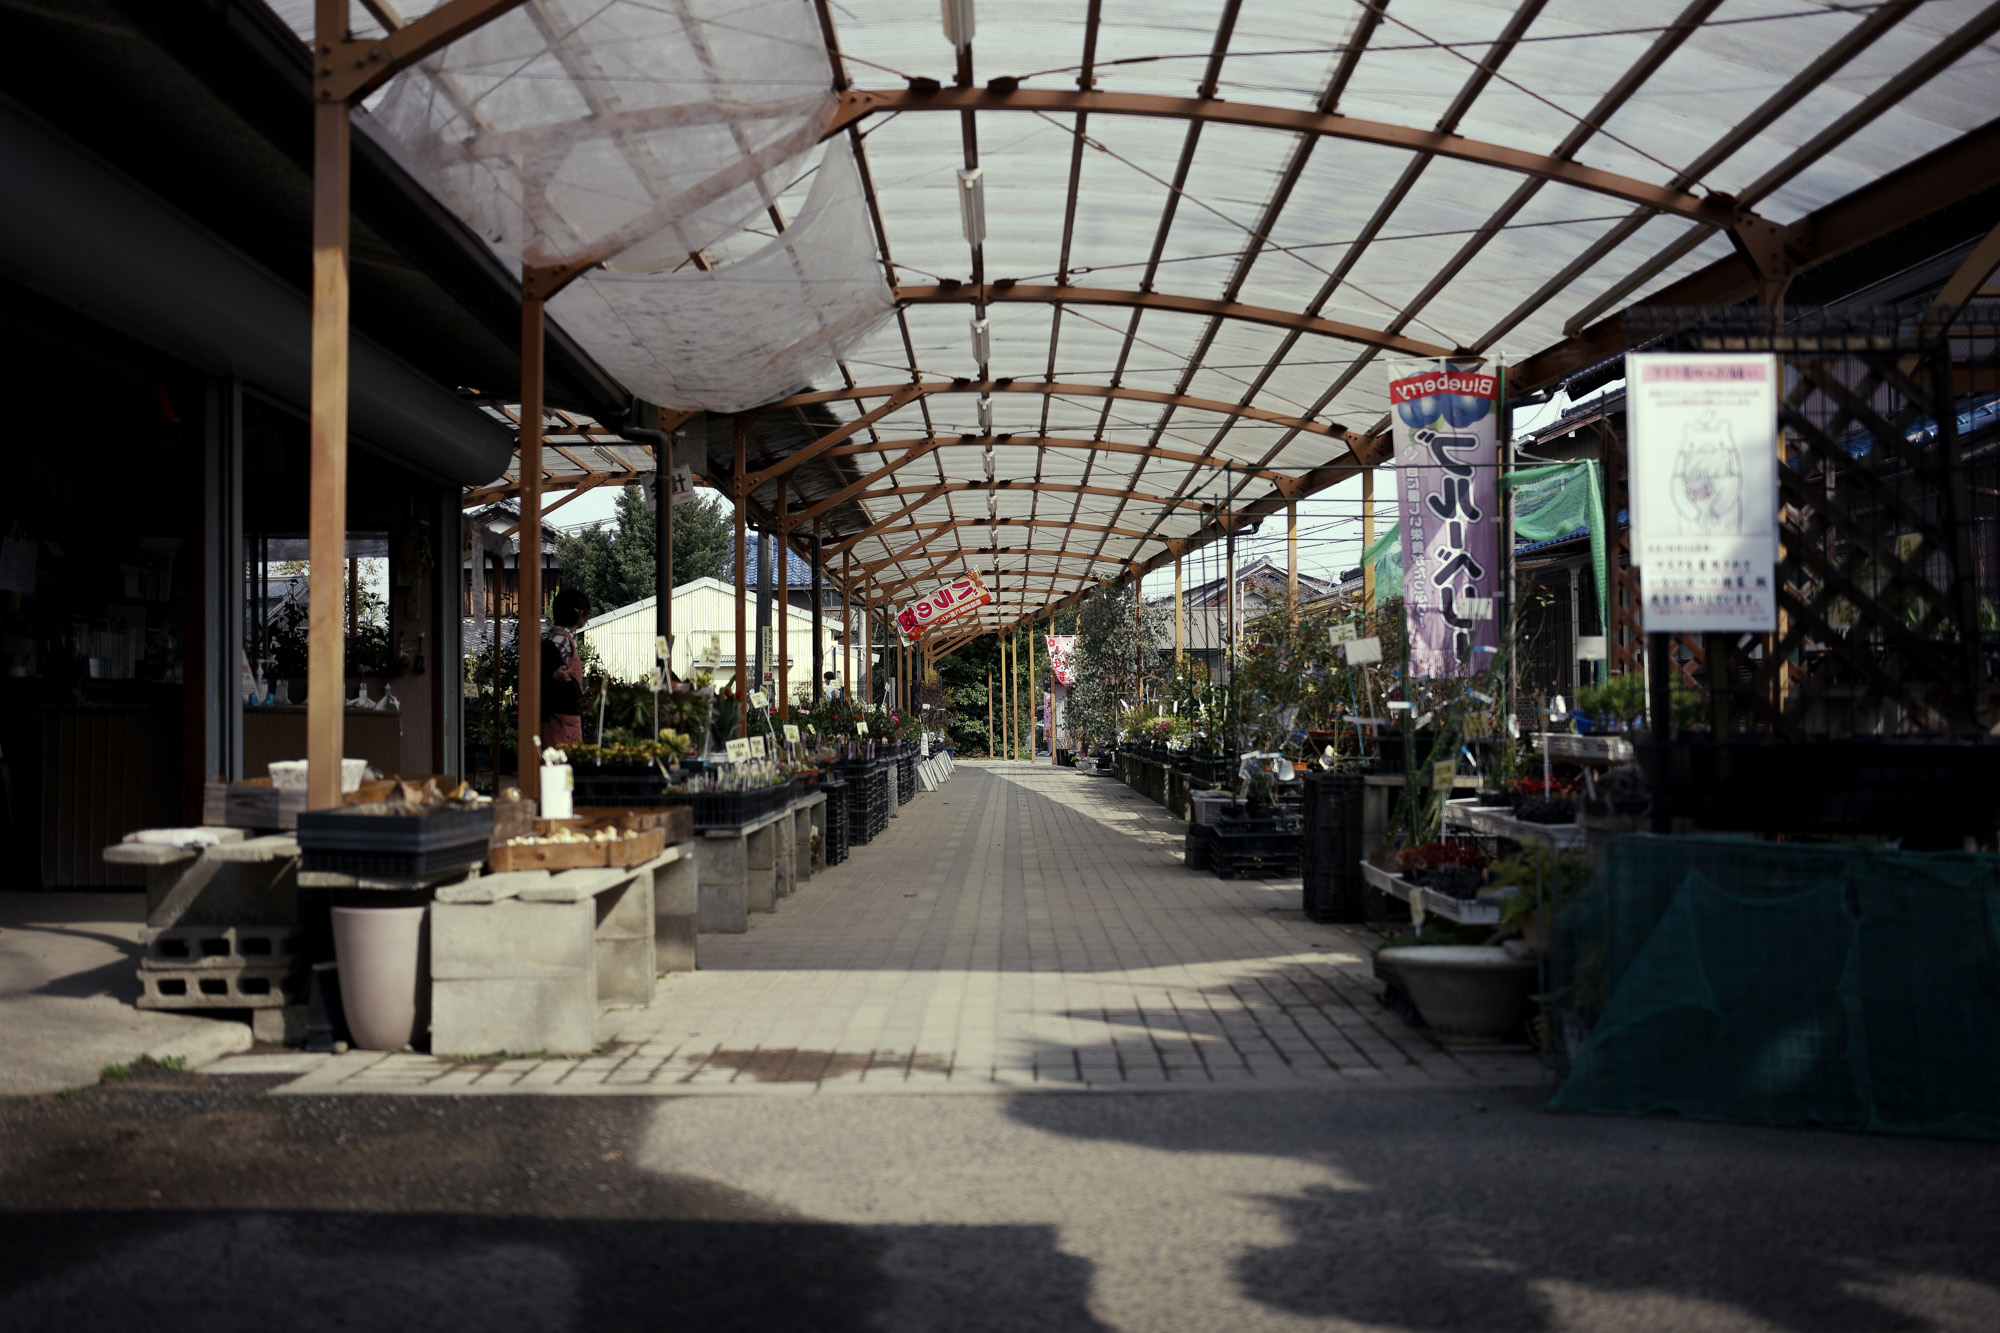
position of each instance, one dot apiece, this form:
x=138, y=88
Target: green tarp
x=1850, y=986
x=1552, y=502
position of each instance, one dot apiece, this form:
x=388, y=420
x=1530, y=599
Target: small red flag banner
x=961, y=596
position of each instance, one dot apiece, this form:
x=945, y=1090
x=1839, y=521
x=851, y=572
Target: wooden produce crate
x=255, y=804
x=675, y=821
x=628, y=851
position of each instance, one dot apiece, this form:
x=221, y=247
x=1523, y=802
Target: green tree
x=612, y=564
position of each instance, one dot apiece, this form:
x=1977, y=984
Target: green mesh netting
x=1852, y=987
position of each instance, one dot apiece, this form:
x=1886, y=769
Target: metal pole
x=1367, y=539
x=1292, y=556
x=326, y=651
x=763, y=652
x=1659, y=665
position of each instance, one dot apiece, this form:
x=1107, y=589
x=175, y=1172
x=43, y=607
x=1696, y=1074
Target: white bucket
x=385, y=975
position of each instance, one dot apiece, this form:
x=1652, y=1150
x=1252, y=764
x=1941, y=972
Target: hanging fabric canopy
x=661, y=145
x=1551, y=503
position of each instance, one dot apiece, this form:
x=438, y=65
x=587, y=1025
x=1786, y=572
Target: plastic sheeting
x=657, y=141
x=745, y=333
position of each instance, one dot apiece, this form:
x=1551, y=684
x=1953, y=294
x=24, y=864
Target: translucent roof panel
x=1198, y=266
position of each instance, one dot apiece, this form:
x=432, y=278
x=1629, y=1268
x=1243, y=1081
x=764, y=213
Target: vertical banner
x=1060, y=648
x=1447, y=478
x=1704, y=445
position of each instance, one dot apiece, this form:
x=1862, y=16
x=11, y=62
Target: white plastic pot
x=1465, y=992
x=385, y=975
x=290, y=774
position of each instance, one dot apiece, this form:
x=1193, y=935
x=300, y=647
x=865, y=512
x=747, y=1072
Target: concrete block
x=240, y=987
x=624, y=937
x=493, y=888
x=676, y=913
x=513, y=939
x=220, y=946
x=764, y=850
x=279, y=1027
x=255, y=880
x=723, y=891
x=475, y=1016
x=574, y=886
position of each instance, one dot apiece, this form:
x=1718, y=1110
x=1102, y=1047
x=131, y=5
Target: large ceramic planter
x=384, y=974
x=1466, y=993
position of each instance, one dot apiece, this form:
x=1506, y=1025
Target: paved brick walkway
x=1020, y=928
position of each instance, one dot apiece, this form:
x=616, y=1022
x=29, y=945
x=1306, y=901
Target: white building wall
x=705, y=637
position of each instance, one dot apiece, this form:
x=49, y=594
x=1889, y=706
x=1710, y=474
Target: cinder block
x=243, y=986
x=513, y=976
x=221, y=946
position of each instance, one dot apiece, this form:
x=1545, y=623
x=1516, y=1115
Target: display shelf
x=1466, y=913
x=1497, y=823
x=1568, y=749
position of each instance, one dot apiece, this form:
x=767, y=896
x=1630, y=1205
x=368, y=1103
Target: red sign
x=960, y=597
x=1061, y=660
x=1432, y=383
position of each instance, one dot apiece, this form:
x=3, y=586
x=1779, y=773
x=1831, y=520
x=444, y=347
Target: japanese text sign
x=1705, y=489
x=962, y=596
x=1447, y=483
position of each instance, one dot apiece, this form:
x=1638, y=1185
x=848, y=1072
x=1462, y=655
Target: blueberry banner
x=1447, y=493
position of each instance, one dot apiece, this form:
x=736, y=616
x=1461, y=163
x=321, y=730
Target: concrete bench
x=742, y=870
x=525, y=960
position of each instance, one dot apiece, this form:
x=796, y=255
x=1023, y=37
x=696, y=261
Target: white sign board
x=1705, y=489
x=681, y=485
x=792, y=733
x=1362, y=652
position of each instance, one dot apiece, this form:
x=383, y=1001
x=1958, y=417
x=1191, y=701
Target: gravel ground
x=170, y=1201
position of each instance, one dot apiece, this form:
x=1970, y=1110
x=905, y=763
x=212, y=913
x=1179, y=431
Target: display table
x=1465, y=912
x=1495, y=822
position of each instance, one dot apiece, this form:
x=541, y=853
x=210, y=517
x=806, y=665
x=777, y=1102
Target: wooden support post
x=819, y=622
x=1292, y=556
x=353, y=597
x=326, y=651
x=1180, y=645
x=528, y=568
x=743, y=682
x=1367, y=538
x=663, y=548
x=989, y=711
x=782, y=559
x=847, y=625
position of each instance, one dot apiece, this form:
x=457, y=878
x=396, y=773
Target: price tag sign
x=791, y=733
x=1363, y=652
x=758, y=699
x=761, y=747
x=653, y=681
x=739, y=749
x=1339, y=634
x=861, y=727
x=1444, y=774
x=660, y=647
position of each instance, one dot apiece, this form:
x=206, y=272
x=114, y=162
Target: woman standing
x=562, y=670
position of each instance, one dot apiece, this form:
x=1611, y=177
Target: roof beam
x=1961, y=168
x=1061, y=442
x=1070, y=389
x=1027, y=487
x=1002, y=293
x=856, y=104
x=901, y=397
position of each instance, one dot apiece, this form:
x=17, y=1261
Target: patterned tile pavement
x=1023, y=928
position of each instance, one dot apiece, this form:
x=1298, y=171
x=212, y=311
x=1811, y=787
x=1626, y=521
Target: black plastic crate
x=1254, y=855
x=619, y=784
x=731, y=809
x=385, y=864
x=1198, y=848
x=393, y=826
x=906, y=777
x=1332, y=847
x=836, y=844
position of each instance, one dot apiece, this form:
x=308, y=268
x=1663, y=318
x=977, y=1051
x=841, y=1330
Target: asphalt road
x=181, y=1201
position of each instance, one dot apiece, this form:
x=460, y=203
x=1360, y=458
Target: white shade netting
x=745, y=333
x=591, y=131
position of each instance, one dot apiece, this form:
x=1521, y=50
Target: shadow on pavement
x=1472, y=1209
